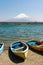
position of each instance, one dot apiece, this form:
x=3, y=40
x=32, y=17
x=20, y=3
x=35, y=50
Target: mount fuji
x=20, y=18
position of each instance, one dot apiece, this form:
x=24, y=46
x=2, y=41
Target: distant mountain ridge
x=21, y=18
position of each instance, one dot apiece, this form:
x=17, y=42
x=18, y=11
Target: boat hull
x=22, y=55
x=38, y=48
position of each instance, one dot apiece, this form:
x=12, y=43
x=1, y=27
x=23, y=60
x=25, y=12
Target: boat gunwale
x=39, y=42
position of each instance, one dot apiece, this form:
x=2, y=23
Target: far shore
x=21, y=22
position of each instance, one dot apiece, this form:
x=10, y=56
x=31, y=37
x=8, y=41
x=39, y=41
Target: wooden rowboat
x=20, y=49
x=36, y=45
x=1, y=48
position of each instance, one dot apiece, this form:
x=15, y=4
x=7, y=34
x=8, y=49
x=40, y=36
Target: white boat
x=20, y=49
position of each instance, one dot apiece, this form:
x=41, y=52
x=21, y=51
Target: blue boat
x=36, y=45
x=20, y=49
x=1, y=48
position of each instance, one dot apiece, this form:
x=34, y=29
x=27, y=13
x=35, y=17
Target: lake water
x=24, y=32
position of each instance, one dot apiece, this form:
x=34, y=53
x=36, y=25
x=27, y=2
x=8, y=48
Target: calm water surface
x=12, y=32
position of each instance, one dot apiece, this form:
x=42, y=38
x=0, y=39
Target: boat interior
x=19, y=46
x=0, y=45
x=33, y=43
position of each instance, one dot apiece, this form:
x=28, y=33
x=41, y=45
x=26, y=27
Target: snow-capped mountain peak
x=20, y=16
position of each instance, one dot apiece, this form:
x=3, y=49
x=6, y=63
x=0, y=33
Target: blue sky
x=12, y=8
